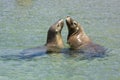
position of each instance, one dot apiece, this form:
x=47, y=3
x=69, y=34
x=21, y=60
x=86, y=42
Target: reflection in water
x=24, y=2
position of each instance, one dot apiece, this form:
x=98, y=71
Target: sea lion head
x=56, y=27
x=54, y=38
x=73, y=26
x=76, y=35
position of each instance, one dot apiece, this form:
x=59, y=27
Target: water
x=24, y=24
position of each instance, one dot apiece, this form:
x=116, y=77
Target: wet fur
x=78, y=40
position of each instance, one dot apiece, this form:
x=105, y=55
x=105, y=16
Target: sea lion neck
x=74, y=32
x=54, y=40
x=51, y=37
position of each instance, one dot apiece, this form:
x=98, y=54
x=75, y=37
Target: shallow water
x=24, y=24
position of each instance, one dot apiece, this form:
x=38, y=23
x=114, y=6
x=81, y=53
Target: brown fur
x=54, y=38
x=78, y=40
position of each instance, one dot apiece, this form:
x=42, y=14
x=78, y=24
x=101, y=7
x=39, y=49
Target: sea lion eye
x=75, y=23
x=57, y=25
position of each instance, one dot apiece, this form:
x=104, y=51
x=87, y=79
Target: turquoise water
x=24, y=24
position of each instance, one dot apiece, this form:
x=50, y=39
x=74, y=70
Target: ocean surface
x=24, y=24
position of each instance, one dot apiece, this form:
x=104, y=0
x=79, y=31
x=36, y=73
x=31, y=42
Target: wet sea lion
x=78, y=40
x=54, y=42
x=54, y=37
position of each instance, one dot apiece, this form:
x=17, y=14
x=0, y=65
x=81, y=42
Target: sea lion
x=78, y=40
x=54, y=38
x=54, y=42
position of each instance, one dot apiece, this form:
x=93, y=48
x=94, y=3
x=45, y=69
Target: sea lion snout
x=61, y=21
x=69, y=20
x=71, y=23
x=59, y=25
